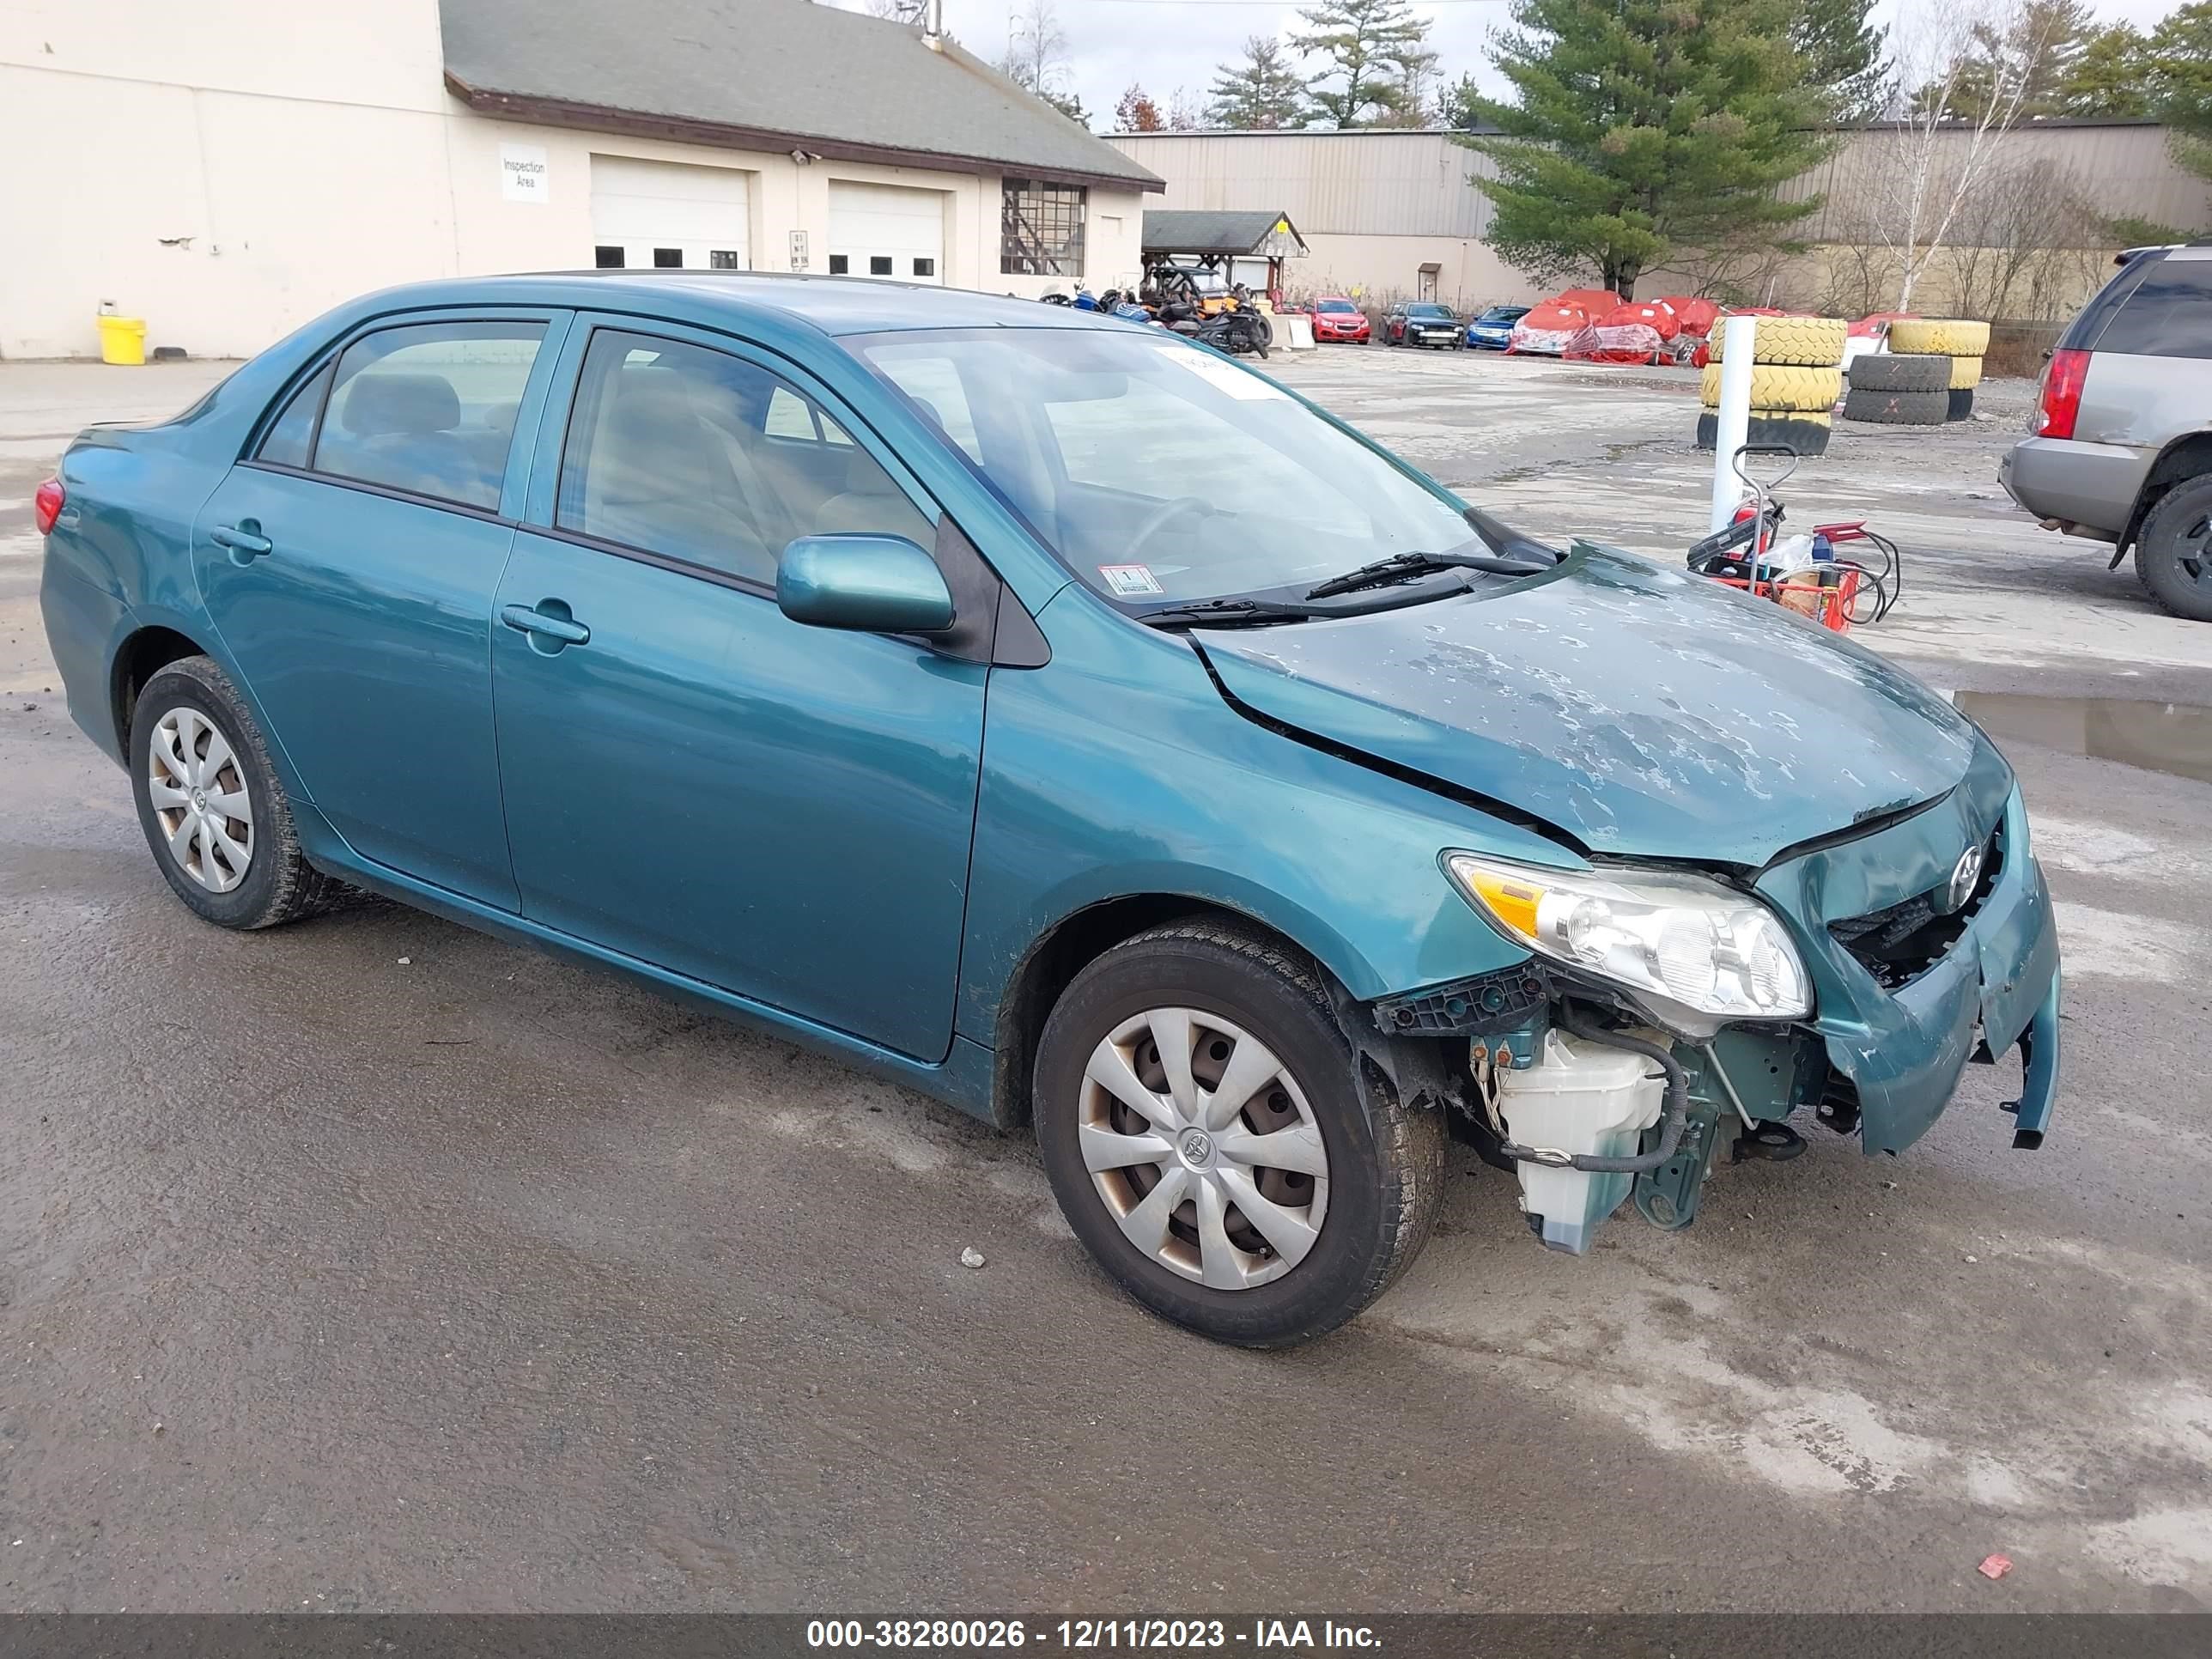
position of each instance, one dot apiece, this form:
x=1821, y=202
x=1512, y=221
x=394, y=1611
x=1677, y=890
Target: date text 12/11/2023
x=1085, y=1635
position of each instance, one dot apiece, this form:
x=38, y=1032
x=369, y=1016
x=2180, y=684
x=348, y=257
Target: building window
x=925, y=267
x=668, y=258
x=839, y=264
x=607, y=258
x=1040, y=228
x=879, y=265
x=723, y=258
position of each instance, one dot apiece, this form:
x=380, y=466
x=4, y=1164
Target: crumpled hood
x=1641, y=710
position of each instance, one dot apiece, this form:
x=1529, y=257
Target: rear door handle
x=245, y=544
x=552, y=623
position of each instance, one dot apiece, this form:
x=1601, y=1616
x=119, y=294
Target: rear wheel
x=2173, y=550
x=1202, y=1127
x=214, y=814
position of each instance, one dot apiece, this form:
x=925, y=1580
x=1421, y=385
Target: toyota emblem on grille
x=1964, y=876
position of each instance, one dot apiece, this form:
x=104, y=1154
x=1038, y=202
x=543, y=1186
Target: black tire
x=1958, y=404
x=2173, y=550
x=1808, y=437
x=1886, y=371
x=1898, y=407
x=279, y=885
x=1385, y=1162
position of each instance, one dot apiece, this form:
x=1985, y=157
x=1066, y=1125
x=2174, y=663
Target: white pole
x=1739, y=350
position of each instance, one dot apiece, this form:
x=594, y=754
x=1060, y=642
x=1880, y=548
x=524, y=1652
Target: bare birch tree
x=1944, y=143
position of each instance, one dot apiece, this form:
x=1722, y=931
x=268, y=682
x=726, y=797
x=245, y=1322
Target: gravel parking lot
x=373, y=1264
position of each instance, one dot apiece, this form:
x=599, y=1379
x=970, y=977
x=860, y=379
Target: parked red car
x=1335, y=317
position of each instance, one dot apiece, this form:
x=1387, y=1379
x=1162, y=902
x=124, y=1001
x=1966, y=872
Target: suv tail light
x=46, y=505
x=2062, y=393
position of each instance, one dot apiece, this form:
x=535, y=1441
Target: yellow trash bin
x=122, y=339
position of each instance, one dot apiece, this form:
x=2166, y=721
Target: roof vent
x=932, y=26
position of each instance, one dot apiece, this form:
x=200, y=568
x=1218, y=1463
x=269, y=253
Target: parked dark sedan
x=1422, y=322
x=842, y=657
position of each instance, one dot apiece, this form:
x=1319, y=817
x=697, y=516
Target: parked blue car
x=1493, y=329
x=1063, y=720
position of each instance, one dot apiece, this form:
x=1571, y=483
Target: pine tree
x=1263, y=94
x=2044, y=42
x=1642, y=126
x=1375, y=50
x=1845, y=53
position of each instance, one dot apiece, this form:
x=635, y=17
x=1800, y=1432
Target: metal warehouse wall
x=1364, y=183
x=1387, y=183
x=2123, y=169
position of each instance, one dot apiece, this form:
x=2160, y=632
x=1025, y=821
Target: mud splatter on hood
x=1641, y=710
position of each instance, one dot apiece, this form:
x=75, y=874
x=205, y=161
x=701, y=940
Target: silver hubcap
x=1203, y=1148
x=200, y=801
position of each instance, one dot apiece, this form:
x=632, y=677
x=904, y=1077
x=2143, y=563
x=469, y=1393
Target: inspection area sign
x=522, y=173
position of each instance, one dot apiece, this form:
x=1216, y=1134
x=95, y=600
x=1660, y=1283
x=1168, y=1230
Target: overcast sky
x=1165, y=44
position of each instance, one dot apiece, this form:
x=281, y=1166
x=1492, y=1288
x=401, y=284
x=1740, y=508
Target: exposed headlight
x=1695, y=942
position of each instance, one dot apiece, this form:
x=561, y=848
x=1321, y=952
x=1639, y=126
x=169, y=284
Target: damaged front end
x=1918, y=944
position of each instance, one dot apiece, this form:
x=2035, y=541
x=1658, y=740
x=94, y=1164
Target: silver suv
x=2121, y=449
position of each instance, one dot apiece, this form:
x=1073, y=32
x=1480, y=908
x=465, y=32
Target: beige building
x=229, y=169
x=1390, y=213
x=1385, y=213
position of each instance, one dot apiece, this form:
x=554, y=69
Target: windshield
x=1429, y=311
x=1336, y=305
x=1504, y=314
x=1159, y=471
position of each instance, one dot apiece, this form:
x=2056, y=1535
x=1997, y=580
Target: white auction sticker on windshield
x=1225, y=376
x=1131, y=581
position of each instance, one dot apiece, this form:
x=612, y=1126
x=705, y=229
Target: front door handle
x=549, y=620
x=244, y=539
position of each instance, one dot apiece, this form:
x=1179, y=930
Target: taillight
x=2062, y=394
x=46, y=505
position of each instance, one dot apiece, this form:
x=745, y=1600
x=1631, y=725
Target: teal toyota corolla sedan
x=1066, y=721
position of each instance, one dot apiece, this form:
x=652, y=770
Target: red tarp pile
x=1629, y=333
x=1549, y=328
x=1695, y=316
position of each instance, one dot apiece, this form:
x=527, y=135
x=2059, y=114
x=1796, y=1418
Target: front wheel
x=1203, y=1129
x=2173, y=550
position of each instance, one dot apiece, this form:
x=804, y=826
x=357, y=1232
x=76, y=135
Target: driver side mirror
x=869, y=584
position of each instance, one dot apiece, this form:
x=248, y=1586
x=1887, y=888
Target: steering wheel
x=1160, y=518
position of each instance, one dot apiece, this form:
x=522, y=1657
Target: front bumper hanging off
x=1904, y=1050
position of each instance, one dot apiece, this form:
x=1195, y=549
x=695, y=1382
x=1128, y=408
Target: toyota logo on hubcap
x=1197, y=1146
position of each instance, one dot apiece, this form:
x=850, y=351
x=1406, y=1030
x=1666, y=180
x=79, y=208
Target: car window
x=2169, y=314
x=934, y=384
x=2082, y=333
x=292, y=433
x=1336, y=306
x=698, y=455
x=429, y=409
x=1159, y=471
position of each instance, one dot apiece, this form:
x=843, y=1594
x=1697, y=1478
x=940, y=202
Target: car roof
x=833, y=305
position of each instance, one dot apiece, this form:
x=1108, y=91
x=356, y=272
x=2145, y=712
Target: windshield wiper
x=1399, y=566
x=1529, y=558
x=1227, y=613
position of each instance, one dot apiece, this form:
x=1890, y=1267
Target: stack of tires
x=1927, y=377
x=1795, y=382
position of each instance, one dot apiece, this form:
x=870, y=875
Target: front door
x=692, y=778
x=350, y=564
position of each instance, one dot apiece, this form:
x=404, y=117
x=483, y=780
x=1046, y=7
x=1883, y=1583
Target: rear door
x=349, y=563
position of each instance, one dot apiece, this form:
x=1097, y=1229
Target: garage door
x=665, y=212
x=886, y=230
